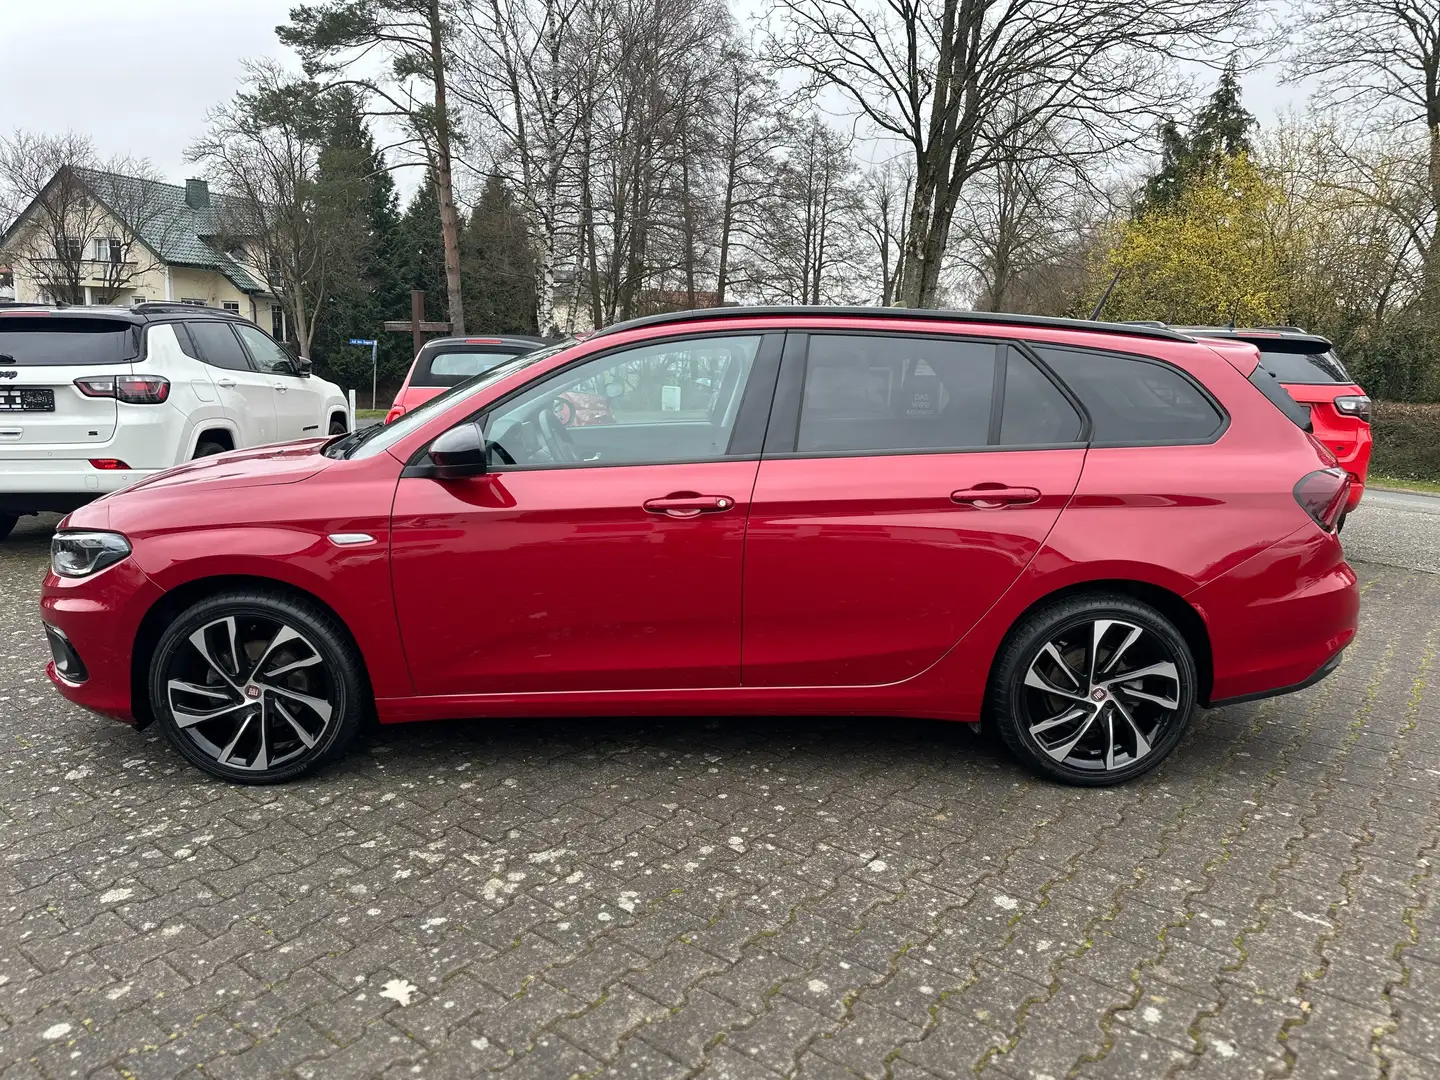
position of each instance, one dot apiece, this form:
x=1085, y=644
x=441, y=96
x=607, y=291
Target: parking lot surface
x=735, y=898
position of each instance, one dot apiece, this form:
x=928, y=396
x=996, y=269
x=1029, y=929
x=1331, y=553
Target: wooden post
x=417, y=326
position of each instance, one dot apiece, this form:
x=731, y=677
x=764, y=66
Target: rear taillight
x=1322, y=495
x=396, y=411
x=1357, y=405
x=131, y=389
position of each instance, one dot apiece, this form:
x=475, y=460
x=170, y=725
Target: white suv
x=92, y=399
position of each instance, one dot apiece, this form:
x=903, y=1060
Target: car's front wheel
x=1093, y=690
x=7, y=524
x=257, y=687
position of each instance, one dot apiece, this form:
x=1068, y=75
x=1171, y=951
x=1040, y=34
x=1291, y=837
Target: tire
x=209, y=448
x=301, y=677
x=337, y=427
x=7, y=524
x=1340, y=525
x=1120, y=727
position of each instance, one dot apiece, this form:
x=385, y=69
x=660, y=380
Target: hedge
x=1407, y=441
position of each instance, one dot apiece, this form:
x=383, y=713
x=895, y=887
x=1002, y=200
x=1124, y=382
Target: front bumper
x=99, y=618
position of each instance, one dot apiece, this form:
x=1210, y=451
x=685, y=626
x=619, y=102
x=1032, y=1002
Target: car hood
x=263, y=466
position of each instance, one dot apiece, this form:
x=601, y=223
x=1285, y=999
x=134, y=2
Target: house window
x=137, y=299
x=109, y=250
x=71, y=249
x=231, y=305
x=193, y=302
x=277, y=322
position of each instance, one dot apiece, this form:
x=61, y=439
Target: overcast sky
x=138, y=77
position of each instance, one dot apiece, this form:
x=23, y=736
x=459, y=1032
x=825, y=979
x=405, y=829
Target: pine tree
x=356, y=192
x=498, y=265
x=416, y=256
x=1220, y=133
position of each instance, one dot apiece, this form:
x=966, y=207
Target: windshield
x=380, y=437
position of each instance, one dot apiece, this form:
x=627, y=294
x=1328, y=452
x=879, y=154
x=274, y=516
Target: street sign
x=362, y=341
x=374, y=363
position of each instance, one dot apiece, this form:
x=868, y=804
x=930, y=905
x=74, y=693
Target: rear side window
x=1036, y=413
x=47, y=341
x=453, y=368
x=1314, y=368
x=1135, y=402
x=218, y=345
x=895, y=393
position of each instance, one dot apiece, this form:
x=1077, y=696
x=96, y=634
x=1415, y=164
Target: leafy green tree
x=499, y=265
x=1220, y=132
x=416, y=256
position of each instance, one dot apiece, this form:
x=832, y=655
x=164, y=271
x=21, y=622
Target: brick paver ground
x=743, y=899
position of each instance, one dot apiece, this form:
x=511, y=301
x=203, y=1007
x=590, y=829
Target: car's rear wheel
x=337, y=426
x=1093, y=690
x=258, y=688
x=7, y=524
x=209, y=448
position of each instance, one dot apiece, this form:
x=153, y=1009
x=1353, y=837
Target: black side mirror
x=303, y=366
x=458, y=453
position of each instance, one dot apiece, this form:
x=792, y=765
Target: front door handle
x=687, y=504
x=281, y=387
x=995, y=496
x=228, y=384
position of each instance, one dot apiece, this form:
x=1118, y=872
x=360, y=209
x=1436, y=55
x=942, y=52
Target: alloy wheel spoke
x=1164, y=669
x=282, y=636
x=225, y=694
x=1073, y=713
x=1051, y=651
x=262, y=759
x=1061, y=751
x=1039, y=682
x=1097, y=635
x=202, y=646
x=1130, y=639
x=224, y=757
x=1163, y=702
x=184, y=718
x=294, y=665
x=1142, y=744
x=1109, y=738
x=295, y=725
x=319, y=706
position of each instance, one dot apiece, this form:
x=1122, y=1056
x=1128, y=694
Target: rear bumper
x=1276, y=621
x=1304, y=684
x=99, y=620
x=30, y=485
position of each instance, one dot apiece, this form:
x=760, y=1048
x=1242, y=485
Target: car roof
x=993, y=318
x=135, y=314
x=529, y=340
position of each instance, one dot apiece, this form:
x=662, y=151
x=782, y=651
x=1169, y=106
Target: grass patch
x=1375, y=479
x=370, y=414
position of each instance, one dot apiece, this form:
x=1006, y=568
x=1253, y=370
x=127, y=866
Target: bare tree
x=932, y=74
x=885, y=210
x=342, y=41
x=748, y=136
x=262, y=150
x=87, y=224
x=1383, y=56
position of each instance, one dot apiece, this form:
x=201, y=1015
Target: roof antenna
x=1100, y=304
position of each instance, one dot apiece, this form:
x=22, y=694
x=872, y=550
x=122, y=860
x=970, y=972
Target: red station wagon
x=445, y=362
x=1075, y=531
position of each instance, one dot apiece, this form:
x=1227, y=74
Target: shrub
x=1407, y=441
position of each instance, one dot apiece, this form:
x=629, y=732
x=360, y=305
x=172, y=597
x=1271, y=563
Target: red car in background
x=445, y=362
x=1308, y=368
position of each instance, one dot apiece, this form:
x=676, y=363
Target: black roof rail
x=999, y=318
x=168, y=307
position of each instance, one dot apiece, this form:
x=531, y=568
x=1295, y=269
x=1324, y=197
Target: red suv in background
x=445, y=362
x=1308, y=368
x=1075, y=530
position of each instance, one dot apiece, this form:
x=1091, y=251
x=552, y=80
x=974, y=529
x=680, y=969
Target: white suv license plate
x=18, y=399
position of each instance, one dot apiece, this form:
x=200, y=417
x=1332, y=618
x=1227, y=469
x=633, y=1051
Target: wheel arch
x=1179, y=611
x=214, y=427
x=174, y=601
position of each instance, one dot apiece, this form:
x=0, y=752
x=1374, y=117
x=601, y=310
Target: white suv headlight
x=80, y=554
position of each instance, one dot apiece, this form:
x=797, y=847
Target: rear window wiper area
x=52, y=341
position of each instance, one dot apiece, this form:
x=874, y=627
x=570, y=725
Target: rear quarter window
x=40, y=341
x=452, y=367
x=1134, y=401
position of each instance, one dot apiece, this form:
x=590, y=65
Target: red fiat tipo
x=1078, y=531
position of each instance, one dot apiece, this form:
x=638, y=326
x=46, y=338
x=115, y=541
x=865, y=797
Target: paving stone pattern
x=738, y=898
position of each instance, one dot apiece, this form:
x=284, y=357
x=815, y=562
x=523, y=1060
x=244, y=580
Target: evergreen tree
x=417, y=258
x=1220, y=133
x=498, y=265
x=356, y=193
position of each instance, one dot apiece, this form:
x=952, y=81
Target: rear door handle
x=228, y=384
x=995, y=496
x=686, y=504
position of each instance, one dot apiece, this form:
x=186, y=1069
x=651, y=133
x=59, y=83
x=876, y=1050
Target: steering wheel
x=558, y=439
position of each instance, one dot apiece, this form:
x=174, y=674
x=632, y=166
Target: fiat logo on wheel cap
x=252, y=692
x=1098, y=693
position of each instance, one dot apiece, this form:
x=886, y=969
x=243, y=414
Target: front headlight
x=79, y=554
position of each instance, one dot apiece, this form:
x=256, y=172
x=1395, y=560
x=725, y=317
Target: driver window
x=269, y=357
x=671, y=401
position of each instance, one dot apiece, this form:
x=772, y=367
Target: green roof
x=179, y=233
